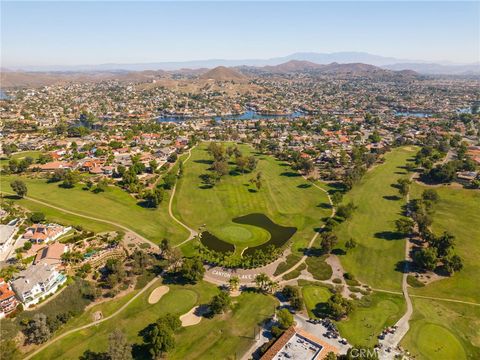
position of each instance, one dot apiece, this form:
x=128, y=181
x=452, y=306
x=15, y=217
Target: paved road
x=93, y=323
x=402, y=323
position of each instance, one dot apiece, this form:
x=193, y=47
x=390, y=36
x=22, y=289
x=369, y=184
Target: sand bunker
x=194, y=316
x=157, y=294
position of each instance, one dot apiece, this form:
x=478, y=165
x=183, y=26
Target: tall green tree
x=118, y=347
x=19, y=187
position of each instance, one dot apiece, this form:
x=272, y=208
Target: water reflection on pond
x=279, y=235
x=214, y=243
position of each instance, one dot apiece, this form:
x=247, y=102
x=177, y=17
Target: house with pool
x=37, y=282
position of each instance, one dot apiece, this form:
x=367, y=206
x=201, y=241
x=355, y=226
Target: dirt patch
x=194, y=316
x=157, y=294
x=97, y=315
x=429, y=277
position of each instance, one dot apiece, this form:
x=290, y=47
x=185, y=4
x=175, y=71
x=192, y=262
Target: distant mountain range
x=18, y=79
x=390, y=63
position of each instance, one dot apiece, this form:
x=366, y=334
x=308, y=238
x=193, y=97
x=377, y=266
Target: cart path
x=123, y=227
x=310, y=244
x=193, y=233
x=93, y=323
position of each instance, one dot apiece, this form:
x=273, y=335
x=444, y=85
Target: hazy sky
x=54, y=33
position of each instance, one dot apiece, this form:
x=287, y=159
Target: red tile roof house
x=8, y=301
x=52, y=166
x=39, y=233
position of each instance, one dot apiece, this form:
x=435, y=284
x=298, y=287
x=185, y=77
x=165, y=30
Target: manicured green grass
x=457, y=212
x=21, y=155
x=314, y=295
x=372, y=225
x=227, y=336
x=442, y=331
x=285, y=197
x=114, y=205
x=290, y=260
x=294, y=273
x=370, y=316
x=220, y=337
x=106, y=308
x=317, y=266
x=60, y=217
x=243, y=235
x=179, y=300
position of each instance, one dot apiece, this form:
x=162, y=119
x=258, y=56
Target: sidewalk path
x=193, y=233
x=310, y=244
x=128, y=231
x=93, y=323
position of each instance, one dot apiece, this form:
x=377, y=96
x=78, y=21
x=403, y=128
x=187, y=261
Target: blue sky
x=70, y=33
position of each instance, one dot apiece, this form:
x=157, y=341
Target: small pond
x=279, y=235
x=214, y=243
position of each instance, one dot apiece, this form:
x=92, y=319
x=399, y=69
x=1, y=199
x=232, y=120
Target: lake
x=247, y=115
x=412, y=114
x=3, y=96
x=279, y=235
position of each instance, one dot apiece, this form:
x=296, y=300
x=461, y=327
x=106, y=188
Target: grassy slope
x=137, y=316
x=227, y=336
x=60, y=217
x=212, y=338
x=457, y=212
x=366, y=322
x=280, y=198
x=20, y=155
x=113, y=205
x=374, y=259
x=443, y=331
x=314, y=294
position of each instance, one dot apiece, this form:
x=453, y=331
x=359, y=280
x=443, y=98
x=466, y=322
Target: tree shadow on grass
x=402, y=266
x=338, y=252
x=392, y=197
x=252, y=190
x=205, y=187
x=324, y=206
x=141, y=352
x=337, y=186
x=12, y=197
x=290, y=174
x=304, y=186
x=389, y=235
x=145, y=205
x=202, y=161
x=320, y=310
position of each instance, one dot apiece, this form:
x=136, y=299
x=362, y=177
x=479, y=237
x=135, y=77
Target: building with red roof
x=8, y=301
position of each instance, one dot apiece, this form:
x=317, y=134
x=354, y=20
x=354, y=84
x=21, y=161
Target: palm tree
x=262, y=280
x=272, y=286
x=234, y=281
